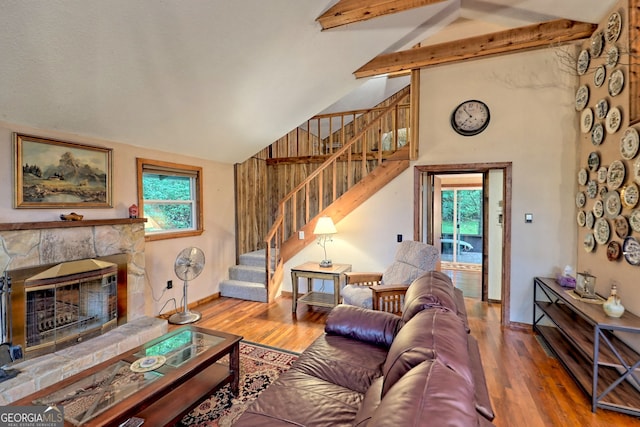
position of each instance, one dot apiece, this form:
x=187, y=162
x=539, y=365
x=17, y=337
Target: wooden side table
x=312, y=270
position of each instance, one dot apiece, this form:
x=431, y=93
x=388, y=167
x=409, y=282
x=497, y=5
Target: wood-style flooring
x=528, y=388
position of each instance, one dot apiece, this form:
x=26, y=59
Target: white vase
x=612, y=306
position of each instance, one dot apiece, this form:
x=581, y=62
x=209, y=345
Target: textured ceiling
x=216, y=79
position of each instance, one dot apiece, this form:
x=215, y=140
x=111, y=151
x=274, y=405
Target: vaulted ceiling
x=221, y=79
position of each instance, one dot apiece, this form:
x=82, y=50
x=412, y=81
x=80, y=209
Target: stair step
x=247, y=273
x=250, y=291
x=255, y=258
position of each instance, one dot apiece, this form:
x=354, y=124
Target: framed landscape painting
x=57, y=174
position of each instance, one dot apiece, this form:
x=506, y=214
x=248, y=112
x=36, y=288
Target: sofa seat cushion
x=342, y=361
x=370, y=403
x=300, y=399
x=432, y=333
x=430, y=394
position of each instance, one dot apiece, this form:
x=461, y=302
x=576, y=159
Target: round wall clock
x=470, y=117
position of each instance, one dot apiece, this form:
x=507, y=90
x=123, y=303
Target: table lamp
x=324, y=229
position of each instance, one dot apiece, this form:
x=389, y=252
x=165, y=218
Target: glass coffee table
x=159, y=381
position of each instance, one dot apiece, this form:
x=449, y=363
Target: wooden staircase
x=353, y=172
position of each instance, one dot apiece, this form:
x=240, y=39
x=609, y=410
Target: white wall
x=217, y=241
x=533, y=125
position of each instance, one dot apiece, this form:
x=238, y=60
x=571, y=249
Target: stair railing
x=355, y=155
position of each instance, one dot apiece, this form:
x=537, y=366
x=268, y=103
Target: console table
x=588, y=344
x=312, y=270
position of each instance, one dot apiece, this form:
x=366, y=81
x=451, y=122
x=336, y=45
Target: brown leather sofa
x=373, y=368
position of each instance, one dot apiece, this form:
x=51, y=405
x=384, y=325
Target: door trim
x=506, y=167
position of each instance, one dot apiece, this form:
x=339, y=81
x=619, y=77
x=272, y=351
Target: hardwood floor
x=527, y=387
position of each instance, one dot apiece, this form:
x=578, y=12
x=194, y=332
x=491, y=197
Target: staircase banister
x=274, y=228
x=352, y=112
x=340, y=151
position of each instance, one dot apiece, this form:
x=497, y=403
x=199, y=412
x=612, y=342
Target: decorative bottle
x=612, y=306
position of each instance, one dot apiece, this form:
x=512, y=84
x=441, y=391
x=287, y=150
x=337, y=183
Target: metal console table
x=588, y=344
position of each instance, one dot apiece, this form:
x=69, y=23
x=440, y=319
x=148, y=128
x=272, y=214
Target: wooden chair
x=366, y=289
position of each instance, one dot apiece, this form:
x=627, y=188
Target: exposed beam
x=508, y=41
x=349, y=11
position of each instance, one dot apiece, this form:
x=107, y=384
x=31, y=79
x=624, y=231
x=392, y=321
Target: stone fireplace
x=41, y=245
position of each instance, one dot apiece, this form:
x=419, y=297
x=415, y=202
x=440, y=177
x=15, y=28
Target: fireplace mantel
x=15, y=226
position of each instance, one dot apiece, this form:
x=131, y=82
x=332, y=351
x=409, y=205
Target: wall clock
x=470, y=117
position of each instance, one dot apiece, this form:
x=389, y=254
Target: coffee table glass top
x=86, y=398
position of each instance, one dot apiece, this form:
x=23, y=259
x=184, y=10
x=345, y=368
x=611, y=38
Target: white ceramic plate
x=598, y=209
x=636, y=171
x=621, y=226
x=586, y=120
x=612, y=56
x=615, y=175
x=616, y=83
x=634, y=220
x=582, y=64
x=602, y=108
x=582, y=97
x=599, y=75
x=629, y=196
x=629, y=143
x=583, y=175
x=597, y=134
x=589, y=242
x=592, y=189
x=597, y=41
x=581, y=218
x=612, y=204
x=602, y=174
x=613, y=28
x=631, y=250
x=614, y=120
x=593, y=161
x=601, y=231
x=589, y=219
x=581, y=199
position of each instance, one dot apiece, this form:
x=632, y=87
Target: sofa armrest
x=373, y=327
x=389, y=298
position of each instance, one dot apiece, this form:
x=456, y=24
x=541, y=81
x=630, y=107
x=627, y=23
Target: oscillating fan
x=188, y=266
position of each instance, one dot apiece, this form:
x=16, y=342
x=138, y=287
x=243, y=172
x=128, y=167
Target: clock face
x=470, y=118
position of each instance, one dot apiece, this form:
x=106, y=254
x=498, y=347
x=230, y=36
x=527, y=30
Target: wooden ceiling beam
x=502, y=42
x=349, y=11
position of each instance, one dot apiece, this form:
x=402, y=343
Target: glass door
x=461, y=226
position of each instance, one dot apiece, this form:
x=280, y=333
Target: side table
x=312, y=270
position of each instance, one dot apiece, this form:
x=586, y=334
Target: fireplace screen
x=65, y=304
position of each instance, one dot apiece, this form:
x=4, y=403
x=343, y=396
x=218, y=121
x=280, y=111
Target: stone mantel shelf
x=14, y=226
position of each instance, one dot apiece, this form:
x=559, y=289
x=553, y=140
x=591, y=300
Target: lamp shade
x=325, y=226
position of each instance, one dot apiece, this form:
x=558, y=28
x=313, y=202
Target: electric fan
x=188, y=266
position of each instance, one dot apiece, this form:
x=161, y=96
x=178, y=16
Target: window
x=169, y=197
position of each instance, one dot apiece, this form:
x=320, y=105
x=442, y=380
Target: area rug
x=259, y=366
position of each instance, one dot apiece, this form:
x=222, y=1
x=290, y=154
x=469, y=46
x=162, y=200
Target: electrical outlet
x=300, y=235
x=169, y=284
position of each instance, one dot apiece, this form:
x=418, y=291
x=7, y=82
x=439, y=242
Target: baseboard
x=519, y=326
x=192, y=305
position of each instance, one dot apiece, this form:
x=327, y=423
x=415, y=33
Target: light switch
x=528, y=218
x=300, y=235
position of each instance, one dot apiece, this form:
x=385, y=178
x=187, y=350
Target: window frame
x=154, y=166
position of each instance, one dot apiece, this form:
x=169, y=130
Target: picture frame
x=57, y=174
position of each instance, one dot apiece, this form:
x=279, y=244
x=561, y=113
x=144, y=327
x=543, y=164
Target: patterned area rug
x=259, y=367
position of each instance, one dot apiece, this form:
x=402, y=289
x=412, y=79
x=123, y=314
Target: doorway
x=465, y=211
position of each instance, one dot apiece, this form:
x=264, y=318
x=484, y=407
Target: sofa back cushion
x=432, y=289
x=430, y=334
x=430, y=394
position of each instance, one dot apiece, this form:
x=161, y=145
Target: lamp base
x=326, y=263
x=184, y=317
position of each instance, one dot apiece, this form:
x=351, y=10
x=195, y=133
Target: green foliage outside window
x=168, y=202
x=469, y=212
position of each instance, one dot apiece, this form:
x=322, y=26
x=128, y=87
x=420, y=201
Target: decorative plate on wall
x=581, y=199
x=601, y=231
x=612, y=56
x=597, y=42
x=589, y=219
x=603, y=191
x=592, y=189
x=629, y=196
x=629, y=143
x=634, y=220
x=621, y=226
x=612, y=204
x=583, y=175
x=636, y=171
x=613, y=251
x=581, y=218
x=593, y=161
x=602, y=108
x=586, y=120
x=597, y=134
x=614, y=26
x=602, y=174
x=582, y=97
x=599, y=75
x=615, y=175
x=589, y=242
x=614, y=120
x=616, y=82
x=582, y=64
x=598, y=209
x=631, y=250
